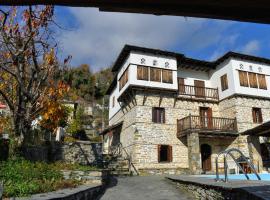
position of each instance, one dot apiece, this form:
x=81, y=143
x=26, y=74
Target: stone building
x=174, y=114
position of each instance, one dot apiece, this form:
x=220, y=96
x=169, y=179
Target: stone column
x=194, y=156
x=255, y=152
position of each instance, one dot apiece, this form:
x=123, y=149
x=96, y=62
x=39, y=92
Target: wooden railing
x=198, y=92
x=212, y=124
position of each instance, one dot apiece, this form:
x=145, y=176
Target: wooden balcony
x=207, y=126
x=195, y=92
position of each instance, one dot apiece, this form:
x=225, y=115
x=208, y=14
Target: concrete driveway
x=143, y=188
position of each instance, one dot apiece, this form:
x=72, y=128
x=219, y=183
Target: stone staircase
x=119, y=162
x=119, y=166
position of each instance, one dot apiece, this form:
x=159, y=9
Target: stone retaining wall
x=82, y=152
x=80, y=193
x=162, y=171
x=88, y=177
x=207, y=190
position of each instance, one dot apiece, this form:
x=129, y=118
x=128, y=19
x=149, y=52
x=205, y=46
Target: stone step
x=121, y=173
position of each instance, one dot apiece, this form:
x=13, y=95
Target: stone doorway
x=206, y=152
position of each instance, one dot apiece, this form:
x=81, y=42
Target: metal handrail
x=117, y=151
x=229, y=152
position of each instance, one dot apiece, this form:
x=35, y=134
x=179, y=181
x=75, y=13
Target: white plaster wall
x=130, y=64
x=116, y=108
x=212, y=79
x=223, y=68
x=231, y=68
x=265, y=69
x=135, y=59
x=191, y=75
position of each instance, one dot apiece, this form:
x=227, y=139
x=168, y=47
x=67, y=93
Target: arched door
x=206, y=152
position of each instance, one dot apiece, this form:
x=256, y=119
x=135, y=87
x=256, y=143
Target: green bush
x=23, y=178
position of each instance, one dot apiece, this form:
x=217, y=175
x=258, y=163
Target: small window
x=252, y=80
x=158, y=115
x=167, y=76
x=262, y=81
x=142, y=73
x=257, y=115
x=164, y=153
x=113, y=101
x=155, y=74
x=243, y=78
x=224, y=82
x=123, y=80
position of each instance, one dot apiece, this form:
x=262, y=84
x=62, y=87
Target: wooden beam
x=160, y=99
x=144, y=97
x=241, y=10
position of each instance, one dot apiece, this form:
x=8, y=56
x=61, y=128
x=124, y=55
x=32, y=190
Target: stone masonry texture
x=141, y=137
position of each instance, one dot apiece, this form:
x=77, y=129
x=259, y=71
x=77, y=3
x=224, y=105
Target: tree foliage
x=28, y=63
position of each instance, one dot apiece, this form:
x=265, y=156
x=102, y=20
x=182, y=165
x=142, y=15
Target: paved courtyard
x=143, y=187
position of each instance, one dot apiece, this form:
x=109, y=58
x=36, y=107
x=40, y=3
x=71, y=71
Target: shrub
x=23, y=178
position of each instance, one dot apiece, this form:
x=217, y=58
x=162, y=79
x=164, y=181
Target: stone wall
x=141, y=137
x=82, y=152
x=87, y=177
x=84, y=192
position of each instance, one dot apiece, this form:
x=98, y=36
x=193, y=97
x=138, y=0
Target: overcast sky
x=96, y=38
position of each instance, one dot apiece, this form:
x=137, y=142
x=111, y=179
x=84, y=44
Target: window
x=158, y=115
x=142, y=73
x=257, y=115
x=243, y=77
x=113, y=101
x=123, y=80
x=253, y=80
x=224, y=82
x=167, y=76
x=164, y=153
x=262, y=81
x=181, y=85
x=252, y=77
x=155, y=74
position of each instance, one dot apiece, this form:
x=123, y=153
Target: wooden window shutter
x=142, y=73
x=154, y=119
x=210, y=119
x=158, y=115
x=262, y=81
x=260, y=116
x=151, y=74
x=254, y=115
x=139, y=72
x=158, y=153
x=243, y=78
x=181, y=85
x=167, y=76
x=224, y=82
x=155, y=74
x=146, y=73
x=170, y=155
x=252, y=80
x=163, y=113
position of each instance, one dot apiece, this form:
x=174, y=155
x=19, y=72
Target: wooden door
x=199, y=88
x=181, y=85
x=206, y=152
x=206, y=117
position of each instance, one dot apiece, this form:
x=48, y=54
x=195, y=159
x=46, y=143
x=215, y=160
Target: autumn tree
x=27, y=63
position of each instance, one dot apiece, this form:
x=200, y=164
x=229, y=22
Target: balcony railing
x=199, y=92
x=206, y=125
